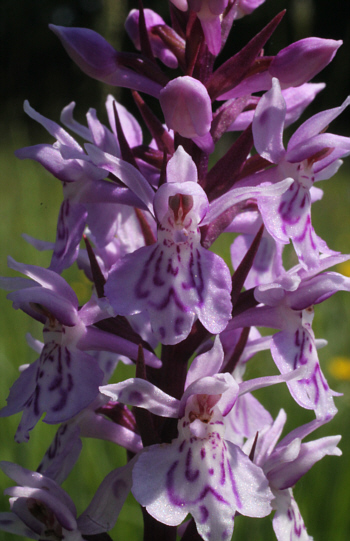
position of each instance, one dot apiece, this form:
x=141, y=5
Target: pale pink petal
x=315, y=125
x=268, y=124
x=181, y=167
x=143, y=394
x=288, y=523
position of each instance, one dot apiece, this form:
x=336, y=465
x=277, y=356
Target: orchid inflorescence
x=139, y=218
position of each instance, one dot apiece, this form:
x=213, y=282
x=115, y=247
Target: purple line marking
x=191, y=475
x=233, y=484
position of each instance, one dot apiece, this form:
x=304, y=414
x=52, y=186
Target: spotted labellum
x=175, y=280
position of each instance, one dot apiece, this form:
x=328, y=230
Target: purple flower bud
x=93, y=54
x=180, y=4
x=207, y=9
x=302, y=60
x=98, y=59
x=209, y=13
x=159, y=48
x=187, y=107
x=246, y=7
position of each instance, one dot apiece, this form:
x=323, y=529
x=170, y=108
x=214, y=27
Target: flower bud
x=159, y=49
x=93, y=54
x=98, y=59
x=207, y=9
x=246, y=7
x=180, y=4
x=301, y=61
x=187, y=107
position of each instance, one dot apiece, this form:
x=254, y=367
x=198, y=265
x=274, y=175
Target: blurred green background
x=35, y=67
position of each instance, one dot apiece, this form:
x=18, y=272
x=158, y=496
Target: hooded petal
x=268, y=124
x=186, y=106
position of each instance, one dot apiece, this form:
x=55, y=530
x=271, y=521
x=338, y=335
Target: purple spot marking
x=165, y=301
x=191, y=475
x=287, y=206
x=170, y=269
x=307, y=229
x=61, y=403
x=70, y=383
x=68, y=357
x=296, y=339
x=139, y=292
x=181, y=447
x=178, y=325
x=49, y=353
x=310, y=235
x=135, y=398
x=222, y=468
x=157, y=280
x=300, y=358
x=178, y=250
x=35, y=399
x=191, y=283
x=204, y=514
x=212, y=491
x=289, y=210
x=176, y=500
x=292, y=517
x=56, y=383
x=234, y=488
x=200, y=286
x=195, y=282
x=203, y=453
x=301, y=237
